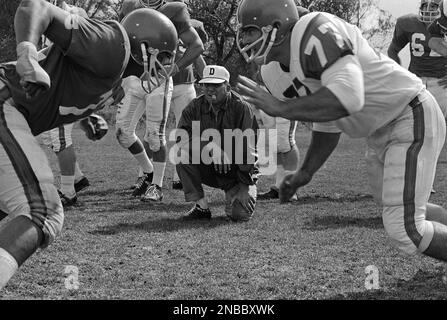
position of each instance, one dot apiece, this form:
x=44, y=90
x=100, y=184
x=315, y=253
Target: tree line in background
x=219, y=19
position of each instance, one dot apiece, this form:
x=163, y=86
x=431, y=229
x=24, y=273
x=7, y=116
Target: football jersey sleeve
x=322, y=45
x=400, y=38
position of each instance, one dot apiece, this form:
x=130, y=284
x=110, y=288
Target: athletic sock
x=144, y=162
x=8, y=267
x=67, y=186
x=159, y=173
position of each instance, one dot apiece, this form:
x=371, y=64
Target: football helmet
x=273, y=18
x=153, y=4
x=153, y=43
x=429, y=10
x=94, y=126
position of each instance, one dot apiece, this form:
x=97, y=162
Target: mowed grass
x=315, y=248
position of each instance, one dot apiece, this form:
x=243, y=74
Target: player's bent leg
x=157, y=110
x=436, y=213
x=409, y=171
x=182, y=95
x=28, y=193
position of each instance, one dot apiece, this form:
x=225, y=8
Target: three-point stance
x=353, y=89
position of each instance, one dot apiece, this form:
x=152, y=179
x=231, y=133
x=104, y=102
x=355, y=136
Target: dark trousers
x=193, y=176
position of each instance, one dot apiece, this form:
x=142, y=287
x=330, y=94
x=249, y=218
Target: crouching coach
x=217, y=135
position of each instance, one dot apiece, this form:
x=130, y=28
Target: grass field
x=315, y=248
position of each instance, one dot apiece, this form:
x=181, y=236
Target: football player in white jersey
x=356, y=90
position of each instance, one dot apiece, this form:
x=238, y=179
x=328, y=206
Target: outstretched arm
x=321, y=147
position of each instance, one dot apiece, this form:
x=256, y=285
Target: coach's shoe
x=177, y=185
x=153, y=194
x=143, y=184
x=269, y=195
x=197, y=213
x=81, y=184
x=66, y=201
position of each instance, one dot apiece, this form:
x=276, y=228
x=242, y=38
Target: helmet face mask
x=429, y=10
x=271, y=19
x=158, y=67
x=153, y=41
x=249, y=51
x=152, y=4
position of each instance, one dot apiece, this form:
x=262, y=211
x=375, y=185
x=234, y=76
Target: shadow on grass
x=333, y=198
x=339, y=222
x=161, y=225
x=424, y=285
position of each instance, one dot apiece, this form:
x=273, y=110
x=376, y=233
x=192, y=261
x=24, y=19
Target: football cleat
x=81, y=184
x=153, y=194
x=142, y=184
x=66, y=201
x=197, y=213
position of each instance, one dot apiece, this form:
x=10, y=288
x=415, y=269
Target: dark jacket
x=234, y=114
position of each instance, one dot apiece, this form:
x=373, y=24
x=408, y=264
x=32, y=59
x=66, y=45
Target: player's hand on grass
x=291, y=183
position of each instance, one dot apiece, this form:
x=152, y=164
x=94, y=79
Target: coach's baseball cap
x=215, y=74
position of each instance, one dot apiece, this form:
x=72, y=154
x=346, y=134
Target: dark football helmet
x=153, y=43
x=429, y=10
x=94, y=126
x=274, y=18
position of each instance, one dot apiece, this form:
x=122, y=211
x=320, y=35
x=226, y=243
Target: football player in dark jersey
x=426, y=63
x=81, y=73
x=155, y=104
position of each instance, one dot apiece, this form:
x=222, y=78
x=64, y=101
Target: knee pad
x=125, y=138
x=154, y=138
x=411, y=240
x=285, y=134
